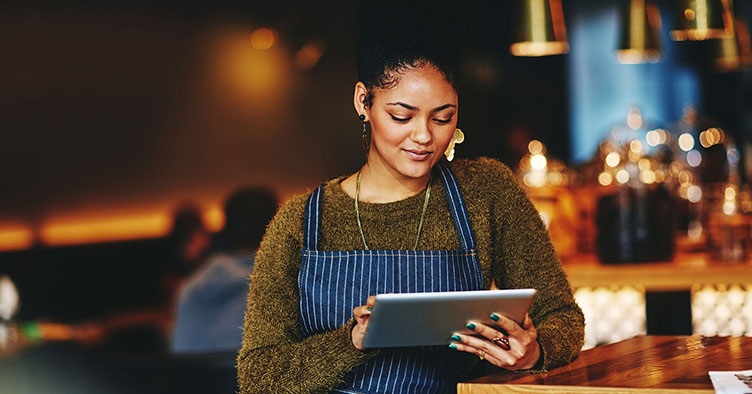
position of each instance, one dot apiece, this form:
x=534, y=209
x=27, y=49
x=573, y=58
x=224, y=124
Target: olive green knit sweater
x=512, y=245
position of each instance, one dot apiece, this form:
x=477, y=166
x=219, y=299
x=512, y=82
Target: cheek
x=388, y=133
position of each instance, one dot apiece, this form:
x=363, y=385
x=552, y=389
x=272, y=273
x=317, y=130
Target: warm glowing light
x=729, y=193
x=686, y=142
x=729, y=207
x=656, y=137
x=694, y=158
x=309, y=54
x=214, y=218
x=622, y=176
x=634, y=120
x=711, y=137
x=538, y=48
x=613, y=159
x=675, y=168
x=635, y=146
x=247, y=77
x=605, y=178
x=556, y=178
x=105, y=229
x=644, y=164
x=16, y=238
x=694, y=194
x=535, y=147
x=689, y=14
x=535, y=179
x=525, y=164
x=263, y=38
x=538, y=162
x=647, y=177
x=685, y=178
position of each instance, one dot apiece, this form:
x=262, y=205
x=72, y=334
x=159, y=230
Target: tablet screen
x=420, y=319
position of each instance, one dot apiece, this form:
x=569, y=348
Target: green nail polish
x=494, y=317
x=453, y=346
x=470, y=326
x=456, y=337
x=370, y=308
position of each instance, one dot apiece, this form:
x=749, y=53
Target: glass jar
x=635, y=209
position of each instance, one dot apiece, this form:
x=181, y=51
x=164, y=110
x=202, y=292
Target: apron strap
x=312, y=218
x=457, y=207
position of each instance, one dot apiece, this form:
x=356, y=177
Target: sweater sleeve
x=525, y=258
x=274, y=356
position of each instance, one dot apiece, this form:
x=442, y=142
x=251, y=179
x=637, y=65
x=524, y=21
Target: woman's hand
x=362, y=315
x=509, y=345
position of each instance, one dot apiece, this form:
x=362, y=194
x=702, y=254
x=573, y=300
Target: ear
x=359, y=98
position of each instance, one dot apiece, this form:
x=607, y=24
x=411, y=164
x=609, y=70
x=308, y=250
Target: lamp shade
x=541, y=30
x=640, y=33
x=699, y=20
x=735, y=52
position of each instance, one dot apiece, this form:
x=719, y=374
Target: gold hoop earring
x=457, y=138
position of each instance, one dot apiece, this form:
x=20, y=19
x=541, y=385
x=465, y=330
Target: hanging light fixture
x=735, y=52
x=700, y=20
x=541, y=30
x=640, y=36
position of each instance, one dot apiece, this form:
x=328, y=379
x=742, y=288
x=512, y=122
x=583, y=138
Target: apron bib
x=332, y=283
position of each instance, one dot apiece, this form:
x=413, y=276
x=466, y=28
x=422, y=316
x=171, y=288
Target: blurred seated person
x=211, y=305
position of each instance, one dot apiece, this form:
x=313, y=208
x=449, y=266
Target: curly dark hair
x=396, y=36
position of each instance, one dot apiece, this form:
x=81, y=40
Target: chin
x=418, y=170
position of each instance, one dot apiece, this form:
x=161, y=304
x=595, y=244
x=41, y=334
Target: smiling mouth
x=419, y=155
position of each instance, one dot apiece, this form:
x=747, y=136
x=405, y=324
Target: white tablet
x=419, y=319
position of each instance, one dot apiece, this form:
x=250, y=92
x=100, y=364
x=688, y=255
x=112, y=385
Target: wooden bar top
x=644, y=364
x=685, y=270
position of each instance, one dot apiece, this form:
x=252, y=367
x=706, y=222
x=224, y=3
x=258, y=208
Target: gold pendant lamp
x=735, y=52
x=640, y=34
x=541, y=30
x=700, y=20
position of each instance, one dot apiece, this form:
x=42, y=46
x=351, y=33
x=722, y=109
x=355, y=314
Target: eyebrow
x=413, y=108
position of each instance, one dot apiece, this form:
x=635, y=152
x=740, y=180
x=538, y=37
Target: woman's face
x=412, y=123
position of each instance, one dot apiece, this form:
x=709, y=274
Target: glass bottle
x=635, y=208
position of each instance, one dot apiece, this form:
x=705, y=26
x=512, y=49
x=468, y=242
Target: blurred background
x=115, y=114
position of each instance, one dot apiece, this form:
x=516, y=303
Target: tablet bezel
x=425, y=319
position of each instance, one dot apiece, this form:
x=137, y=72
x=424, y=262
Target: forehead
x=424, y=84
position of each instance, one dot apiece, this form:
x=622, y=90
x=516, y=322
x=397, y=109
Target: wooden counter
x=646, y=364
x=680, y=274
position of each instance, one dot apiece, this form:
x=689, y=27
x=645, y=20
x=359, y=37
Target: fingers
x=362, y=315
x=364, y=311
x=506, y=344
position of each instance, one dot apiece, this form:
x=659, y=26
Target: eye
x=443, y=121
x=399, y=120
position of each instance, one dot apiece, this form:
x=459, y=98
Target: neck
x=383, y=187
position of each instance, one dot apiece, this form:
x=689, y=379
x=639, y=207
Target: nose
x=422, y=133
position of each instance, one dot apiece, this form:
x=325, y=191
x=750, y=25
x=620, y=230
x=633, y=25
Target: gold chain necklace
x=422, y=213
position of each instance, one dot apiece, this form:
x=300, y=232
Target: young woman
x=408, y=220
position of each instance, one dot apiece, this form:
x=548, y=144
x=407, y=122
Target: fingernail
x=494, y=317
x=370, y=308
x=456, y=337
x=453, y=346
x=470, y=326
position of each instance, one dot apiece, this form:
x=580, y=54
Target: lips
x=418, y=155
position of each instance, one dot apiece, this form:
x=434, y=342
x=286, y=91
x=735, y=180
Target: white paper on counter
x=731, y=382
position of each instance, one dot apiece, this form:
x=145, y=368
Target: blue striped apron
x=332, y=283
